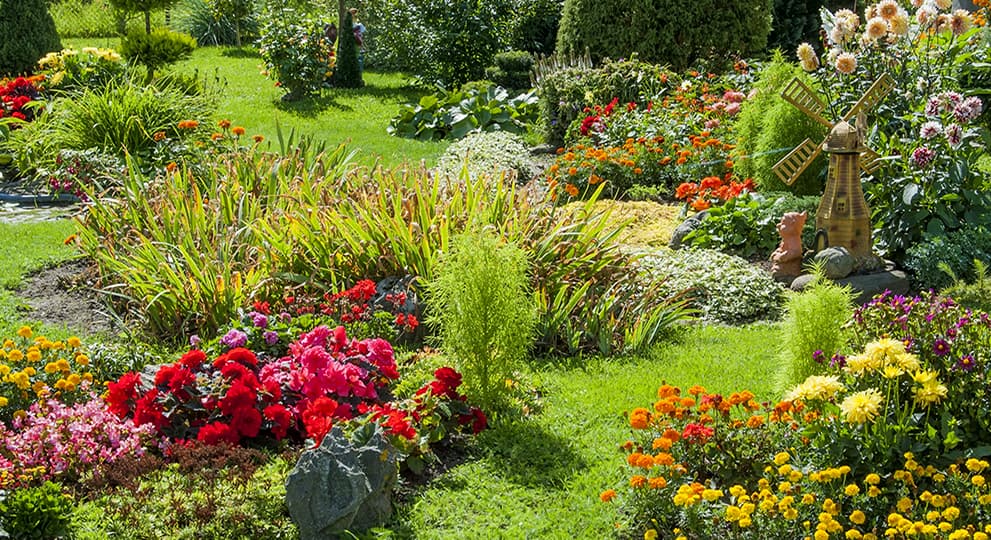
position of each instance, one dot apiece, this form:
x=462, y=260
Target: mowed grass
x=541, y=477
x=234, y=79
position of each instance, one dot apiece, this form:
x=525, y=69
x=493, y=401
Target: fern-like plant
x=480, y=303
x=975, y=295
x=813, y=329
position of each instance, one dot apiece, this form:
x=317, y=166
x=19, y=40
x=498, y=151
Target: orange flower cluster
x=711, y=189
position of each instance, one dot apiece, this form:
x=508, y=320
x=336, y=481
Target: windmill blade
x=800, y=95
x=870, y=161
x=794, y=164
x=881, y=87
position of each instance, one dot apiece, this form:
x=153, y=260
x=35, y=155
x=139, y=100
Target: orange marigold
x=666, y=390
x=640, y=418
x=571, y=189
x=216, y=136
x=608, y=495
x=663, y=443
x=188, y=124
x=224, y=124
x=258, y=138
x=657, y=482
x=238, y=131
x=638, y=481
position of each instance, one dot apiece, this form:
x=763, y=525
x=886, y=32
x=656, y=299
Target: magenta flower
x=922, y=157
x=941, y=347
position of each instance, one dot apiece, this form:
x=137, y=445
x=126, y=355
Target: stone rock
x=837, y=262
x=866, y=286
x=687, y=226
x=801, y=282
x=342, y=485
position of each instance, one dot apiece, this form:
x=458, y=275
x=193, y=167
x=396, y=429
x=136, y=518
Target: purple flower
x=941, y=347
x=818, y=356
x=838, y=361
x=271, y=337
x=259, y=319
x=930, y=129
x=194, y=341
x=966, y=362
x=234, y=338
x=285, y=317
x=922, y=157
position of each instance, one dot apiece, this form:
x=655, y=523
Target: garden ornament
x=843, y=218
x=787, y=259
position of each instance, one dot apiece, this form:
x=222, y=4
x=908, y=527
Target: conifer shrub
x=511, y=69
x=812, y=331
x=793, y=22
x=156, y=49
x=28, y=32
x=768, y=127
x=347, y=72
x=679, y=34
x=482, y=306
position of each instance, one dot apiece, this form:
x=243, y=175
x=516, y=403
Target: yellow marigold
x=851, y=490
x=15, y=355
x=862, y=406
x=650, y=534
x=976, y=465
x=74, y=342
x=781, y=458
x=873, y=479
x=858, y=517
x=904, y=504
x=25, y=332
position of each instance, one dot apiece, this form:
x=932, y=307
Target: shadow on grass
x=312, y=106
x=526, y=454
x=243, y=52
x=333, y=98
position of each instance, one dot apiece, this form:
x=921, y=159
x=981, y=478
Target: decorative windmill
x=843, y=218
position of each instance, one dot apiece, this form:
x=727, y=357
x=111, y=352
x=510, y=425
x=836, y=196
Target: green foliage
x=128, y=115
x=347, y=72
x=295, y=51
x=975, y=295
x=85, y=19
x=768, y=127
x=955, y=251
x=480, y=302
x=28, y=32
x=156, y=49
x=565, y=93
x=792, y=22
x=453, y=115
x=722, y=288
x=487, y=153
x=814, y=321
x=227, y=22
x=665, y=31
x=533, y=27
x=747, y=225
x=511, y=69
x=207, y=503
x=36, y=513
x=70, y=70
x=142, y=6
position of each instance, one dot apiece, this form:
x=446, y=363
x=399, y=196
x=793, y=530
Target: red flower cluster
x=445, y=385
x=16, y=94
x=600, y=112
x=712, y=189
x=350, y=305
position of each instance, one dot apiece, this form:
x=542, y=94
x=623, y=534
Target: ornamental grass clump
x=484, y=311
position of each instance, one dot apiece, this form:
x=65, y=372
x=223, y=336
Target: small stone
x=801, y=282
x=869, y=285
x=837, y=262
x=687, y=226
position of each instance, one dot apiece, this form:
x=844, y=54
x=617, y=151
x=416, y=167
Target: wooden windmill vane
x=843, y=217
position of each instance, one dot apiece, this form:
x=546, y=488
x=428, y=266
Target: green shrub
x=484, y=312
x=747, y=225
x=144, y=7
x=487, y=153
x=955, y=251
x=511, y=69
x=347, y=72
x=722, y=288
x=768, y=127
x=156, y=49
x=664, y=31
x=792, y=22
x=295, y=51
x=813, y=330
x=41, y=512
x=453, y=115
x=565, y=93
x=534, y=25
x=28, y=32
x=975, y=295
x=228, y=22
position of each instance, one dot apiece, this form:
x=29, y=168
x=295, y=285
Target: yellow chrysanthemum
x=862, y=406
x=929, y=393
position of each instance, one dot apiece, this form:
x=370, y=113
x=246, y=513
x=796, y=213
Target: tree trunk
x=148, y=22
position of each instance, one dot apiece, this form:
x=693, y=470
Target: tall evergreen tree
x=347, y=72
x=27, y=32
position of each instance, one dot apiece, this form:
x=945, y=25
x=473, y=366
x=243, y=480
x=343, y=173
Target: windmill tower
x=843, y=217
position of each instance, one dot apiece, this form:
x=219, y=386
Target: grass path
x=540, y=478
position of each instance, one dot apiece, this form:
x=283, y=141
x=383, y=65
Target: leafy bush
x=347, y=71
x=721, y=287
x=956, y=250
x=156, y=49
x=89, y=68
x=768, y=127
x=456, y=114
x=295, y=51
x=228, y=22
x=813, y=332
x=487, y=153
x=747, y=225
x=87, y=19
x=28, y=32
x=792, y=22
x=564, y=94
x=36, y=513
x=665, y=32
x=533, y=27
x=975, y=295
x=485, y=314
x=511, y=69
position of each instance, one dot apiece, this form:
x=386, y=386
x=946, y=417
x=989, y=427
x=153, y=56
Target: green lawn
x=356, y=116
x=541, y=478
